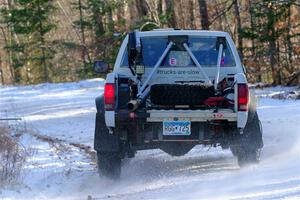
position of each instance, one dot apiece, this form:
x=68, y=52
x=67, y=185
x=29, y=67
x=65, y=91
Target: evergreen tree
x=96, y=18
x=30, y=21
x=268, y=17
x=82, y=24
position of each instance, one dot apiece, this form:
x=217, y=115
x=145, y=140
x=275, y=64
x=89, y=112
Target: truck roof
x=163, y=32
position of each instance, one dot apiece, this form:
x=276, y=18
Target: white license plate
x=176, y=128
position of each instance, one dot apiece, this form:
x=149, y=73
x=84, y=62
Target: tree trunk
x=152, y=10
x=288, y=40
x=253, y=51
x=98, y=29
x=1, y=71
x=10, y=34
x=110, y=21
x=83, y=51
x=42, y=40
x=168, y=9
x=120, y=18
x=219, y=22
x=178, y=14
x=279, y=64
x=239, y=27
x=271, y=21
x=99, y=25
x=273, y=62
x=191, y=17
x=204, y=15
x=6, y=64
x=141, y=7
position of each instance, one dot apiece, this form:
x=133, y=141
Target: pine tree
x=96, y=18
x=82, y=24
x=268, y=16
x=30, y=21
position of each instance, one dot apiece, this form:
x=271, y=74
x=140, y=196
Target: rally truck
x=171, y=90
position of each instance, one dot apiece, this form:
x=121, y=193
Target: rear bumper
x=176, y=115
x=191, y=115
x=145, y=127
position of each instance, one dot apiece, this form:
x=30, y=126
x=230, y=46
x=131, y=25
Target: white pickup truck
x=172, y=90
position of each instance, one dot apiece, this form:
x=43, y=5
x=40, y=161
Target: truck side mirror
x=100, y=67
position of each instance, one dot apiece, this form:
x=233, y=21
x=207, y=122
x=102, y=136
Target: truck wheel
x=247, y=147
x=109, y=164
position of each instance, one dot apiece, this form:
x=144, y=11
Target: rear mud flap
x=107, y=143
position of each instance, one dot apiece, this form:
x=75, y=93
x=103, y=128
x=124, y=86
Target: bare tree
x=179, y=23
x=238, y=26
x=82, y=35
x=1, y=71
x=288, y=40
x=253, y=46
x=204, y=15
x=168, y=10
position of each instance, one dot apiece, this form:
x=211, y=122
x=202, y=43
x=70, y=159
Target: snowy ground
x=60, y=122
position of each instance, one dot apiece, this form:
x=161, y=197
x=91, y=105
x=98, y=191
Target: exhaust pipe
x=132, y=105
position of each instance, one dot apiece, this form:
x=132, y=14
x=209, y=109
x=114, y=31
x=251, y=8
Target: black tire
x=247, y=146
x=109, y=164
x=176, y=148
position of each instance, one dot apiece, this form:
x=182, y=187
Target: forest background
x=58, y=40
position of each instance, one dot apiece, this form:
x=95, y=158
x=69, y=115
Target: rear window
x=204, y=49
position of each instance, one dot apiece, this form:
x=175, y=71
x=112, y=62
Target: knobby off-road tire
x=247, y=146
x=109, y=162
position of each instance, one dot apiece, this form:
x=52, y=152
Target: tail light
x=243, y=97
x=109, y=96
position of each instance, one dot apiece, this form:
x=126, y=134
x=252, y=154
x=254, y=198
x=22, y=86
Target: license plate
x=177, y=128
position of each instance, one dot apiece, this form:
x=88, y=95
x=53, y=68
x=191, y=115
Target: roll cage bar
x=178, y=42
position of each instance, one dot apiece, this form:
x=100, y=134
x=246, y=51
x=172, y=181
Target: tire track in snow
x=62, y=145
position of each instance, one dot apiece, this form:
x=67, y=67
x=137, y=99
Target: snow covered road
x=66, y=112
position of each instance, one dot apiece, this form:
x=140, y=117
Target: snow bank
x=61, y=171
x=279, y=92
